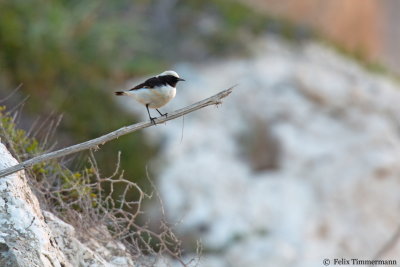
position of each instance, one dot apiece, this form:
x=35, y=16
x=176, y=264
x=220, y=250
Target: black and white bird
x=155, y=92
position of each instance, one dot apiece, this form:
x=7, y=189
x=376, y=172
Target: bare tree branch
x=95, y=143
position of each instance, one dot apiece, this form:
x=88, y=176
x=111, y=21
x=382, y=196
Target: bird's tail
x=119, y=93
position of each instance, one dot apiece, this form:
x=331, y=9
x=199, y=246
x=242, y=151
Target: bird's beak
x=180, y=79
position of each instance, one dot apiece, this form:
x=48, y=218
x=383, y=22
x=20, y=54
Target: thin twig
x=11, y=94
x=95, y=143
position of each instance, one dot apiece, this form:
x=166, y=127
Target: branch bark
x=95, y=143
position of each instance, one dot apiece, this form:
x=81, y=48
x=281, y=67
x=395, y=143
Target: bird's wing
x=149, y=83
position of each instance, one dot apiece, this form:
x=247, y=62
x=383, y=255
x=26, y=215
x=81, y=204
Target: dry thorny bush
x=99, y=208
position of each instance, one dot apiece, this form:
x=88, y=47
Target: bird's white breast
x=155, y=97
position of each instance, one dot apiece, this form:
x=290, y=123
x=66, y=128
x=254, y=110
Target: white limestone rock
x=27, y=238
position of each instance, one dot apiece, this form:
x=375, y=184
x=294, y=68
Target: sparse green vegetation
x=24, y=147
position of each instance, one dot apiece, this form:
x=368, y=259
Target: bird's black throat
x=168, y=79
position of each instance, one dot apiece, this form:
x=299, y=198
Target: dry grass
x=106, y=209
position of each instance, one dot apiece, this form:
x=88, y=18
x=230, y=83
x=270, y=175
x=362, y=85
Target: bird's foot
x=153, y=120
x=165, y=114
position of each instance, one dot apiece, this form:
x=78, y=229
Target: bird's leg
x=165, y=114
x=152, y=119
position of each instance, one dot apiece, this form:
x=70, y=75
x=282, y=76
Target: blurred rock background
x=299, y=164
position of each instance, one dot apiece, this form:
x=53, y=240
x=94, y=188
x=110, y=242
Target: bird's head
x=172, y=74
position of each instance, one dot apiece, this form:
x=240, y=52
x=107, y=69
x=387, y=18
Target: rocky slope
x=299, y=164
x=30, y=237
